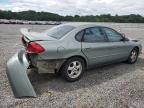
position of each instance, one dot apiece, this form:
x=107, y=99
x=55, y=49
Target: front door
x=120, y=48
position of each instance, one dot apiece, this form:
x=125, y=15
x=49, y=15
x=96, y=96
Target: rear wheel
x=73, y=69
x=133, y=56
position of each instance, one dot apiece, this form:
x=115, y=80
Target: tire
x=133, y=56
x=73, y=69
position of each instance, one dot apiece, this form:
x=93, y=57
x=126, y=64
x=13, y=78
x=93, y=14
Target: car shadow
x=44, y=83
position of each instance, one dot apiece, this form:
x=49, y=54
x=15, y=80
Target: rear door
x=95, y=46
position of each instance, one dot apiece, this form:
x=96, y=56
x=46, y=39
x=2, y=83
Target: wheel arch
x=136, y=47
x=79, y=56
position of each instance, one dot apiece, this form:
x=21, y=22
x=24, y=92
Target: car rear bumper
x=44, y=65
x=17, y=74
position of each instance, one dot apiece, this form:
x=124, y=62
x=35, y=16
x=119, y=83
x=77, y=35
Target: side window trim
x=83, y=30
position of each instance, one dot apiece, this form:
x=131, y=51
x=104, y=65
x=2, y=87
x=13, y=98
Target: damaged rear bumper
x=17, y=74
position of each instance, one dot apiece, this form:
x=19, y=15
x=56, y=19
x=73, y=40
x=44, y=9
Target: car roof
x=81, y=24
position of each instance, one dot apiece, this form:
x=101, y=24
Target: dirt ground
x=115, y=86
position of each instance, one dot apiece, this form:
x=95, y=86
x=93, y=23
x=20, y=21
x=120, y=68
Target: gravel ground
x=115, y=86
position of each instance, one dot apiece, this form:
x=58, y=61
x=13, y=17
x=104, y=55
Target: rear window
x=59, y=31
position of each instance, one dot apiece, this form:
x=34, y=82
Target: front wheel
x=133, y=56
x=73, y=69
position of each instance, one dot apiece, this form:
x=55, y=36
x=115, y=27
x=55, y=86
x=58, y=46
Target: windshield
x=59, y=31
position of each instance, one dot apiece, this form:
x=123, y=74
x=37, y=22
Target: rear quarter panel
x=64, y=48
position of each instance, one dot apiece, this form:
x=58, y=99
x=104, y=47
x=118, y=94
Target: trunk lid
x=35, y=36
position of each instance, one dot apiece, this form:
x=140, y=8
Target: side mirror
x=124, y=37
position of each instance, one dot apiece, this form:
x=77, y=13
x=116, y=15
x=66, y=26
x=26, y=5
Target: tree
x=47, y=16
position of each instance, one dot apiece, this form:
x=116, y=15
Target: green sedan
x=68, y=49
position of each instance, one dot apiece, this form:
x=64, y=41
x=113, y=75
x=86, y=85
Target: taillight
x=34, y=47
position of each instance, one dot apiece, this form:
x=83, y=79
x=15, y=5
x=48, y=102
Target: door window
x=112, y=35
x=94, y=34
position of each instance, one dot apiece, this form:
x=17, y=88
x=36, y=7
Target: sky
x=79, y=7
